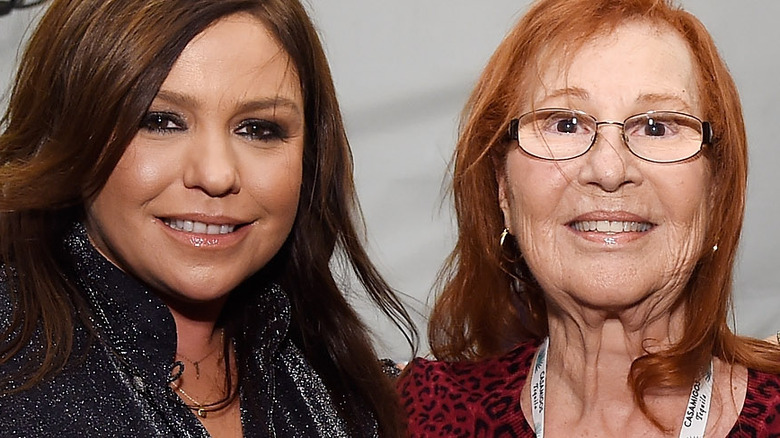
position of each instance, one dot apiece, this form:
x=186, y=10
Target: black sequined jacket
x=119, y=384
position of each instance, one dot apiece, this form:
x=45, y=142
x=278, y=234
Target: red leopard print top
x=481, y=399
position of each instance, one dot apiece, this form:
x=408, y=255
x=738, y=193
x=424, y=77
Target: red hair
x=490, y=300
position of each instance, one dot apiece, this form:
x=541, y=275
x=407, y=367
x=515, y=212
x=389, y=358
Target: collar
x=138, y=327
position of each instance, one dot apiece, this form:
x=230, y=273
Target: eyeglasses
x=655, y=136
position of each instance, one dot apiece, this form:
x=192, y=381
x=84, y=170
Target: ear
x=504, y=194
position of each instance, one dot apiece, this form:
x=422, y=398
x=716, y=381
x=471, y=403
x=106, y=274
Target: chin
x=599, y=293
x=192, y=290
x=618, y=298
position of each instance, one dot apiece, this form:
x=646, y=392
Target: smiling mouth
x=611, y=227
x=200, y=227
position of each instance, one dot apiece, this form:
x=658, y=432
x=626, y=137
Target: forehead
x=639, y=64
x=233, y=59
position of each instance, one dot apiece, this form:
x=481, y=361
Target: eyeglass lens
x=662, y=136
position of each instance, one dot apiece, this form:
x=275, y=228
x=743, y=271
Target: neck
x=196, y=329
x=591, y=351
x=589, y=358
x=208, y=384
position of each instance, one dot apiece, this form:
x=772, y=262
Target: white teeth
x=611, y=226
x=198, y=227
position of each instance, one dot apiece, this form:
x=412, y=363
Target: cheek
x=537, y=203
x=139, y=176
x=685, y=197
x=113, y=213
x=275, y=183
x=686, y=203
x=536, y=192
x=290, y=187
x=122, y=188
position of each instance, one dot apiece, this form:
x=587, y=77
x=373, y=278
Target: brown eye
x=567, y=126
x=262, y=130
x=654, y=128
x=162, y=122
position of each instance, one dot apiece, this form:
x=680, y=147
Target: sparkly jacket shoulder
x=117, y=383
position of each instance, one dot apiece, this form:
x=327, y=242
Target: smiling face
x=607, y=230
x=207, y=191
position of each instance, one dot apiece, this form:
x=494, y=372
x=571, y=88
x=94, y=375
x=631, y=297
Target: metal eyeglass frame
x=706, y=133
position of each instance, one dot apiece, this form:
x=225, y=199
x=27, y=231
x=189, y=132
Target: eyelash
x=268, y=131
x=252, y=129
x=156, y=121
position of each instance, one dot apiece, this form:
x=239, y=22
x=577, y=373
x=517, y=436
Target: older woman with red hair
x=599, y=184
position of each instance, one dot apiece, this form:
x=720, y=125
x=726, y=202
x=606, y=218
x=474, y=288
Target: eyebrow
x=643, y=99
x=577, y=92
x=655, y=98
x=274, y=102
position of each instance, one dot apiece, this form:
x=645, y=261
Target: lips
x=610, y=226
x=198, y=227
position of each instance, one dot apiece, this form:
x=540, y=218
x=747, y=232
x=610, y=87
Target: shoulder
x=760, y=414
x=89, y=397
x=515, y=363
x=468, y=397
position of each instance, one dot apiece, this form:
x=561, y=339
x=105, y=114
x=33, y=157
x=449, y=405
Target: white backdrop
x=403, y=70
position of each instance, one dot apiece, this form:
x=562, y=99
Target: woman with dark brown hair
x=176, y=181
x=599, y=184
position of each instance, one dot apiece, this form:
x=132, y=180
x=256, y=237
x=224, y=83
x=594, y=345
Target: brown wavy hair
x=489, y=298
x=87, y=77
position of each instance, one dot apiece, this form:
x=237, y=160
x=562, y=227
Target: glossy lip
x=203, y=240
x=616, y=238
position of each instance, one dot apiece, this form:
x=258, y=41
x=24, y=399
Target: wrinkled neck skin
x=589, y=358
x=591, y=350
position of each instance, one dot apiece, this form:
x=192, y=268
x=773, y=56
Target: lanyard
x=696, y=411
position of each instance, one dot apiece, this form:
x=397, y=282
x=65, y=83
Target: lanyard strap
x=696, y=412
x=695, y=420
x=539, y=387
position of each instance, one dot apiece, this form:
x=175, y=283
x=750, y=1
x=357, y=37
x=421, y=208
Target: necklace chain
x=196, y=363
x=202, y=409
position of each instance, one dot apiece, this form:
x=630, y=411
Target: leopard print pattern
x=760, y=416
x=481, y=399
x=467, y=399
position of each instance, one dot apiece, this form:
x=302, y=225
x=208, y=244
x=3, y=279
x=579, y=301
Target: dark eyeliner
x=156, y=121
x=262, y=130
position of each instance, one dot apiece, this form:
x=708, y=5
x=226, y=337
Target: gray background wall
x=403, y=70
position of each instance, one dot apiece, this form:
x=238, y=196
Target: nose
x=609, y=163
x=212, y=166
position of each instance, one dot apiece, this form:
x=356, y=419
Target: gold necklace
x=201, y=409
x=196, y=363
